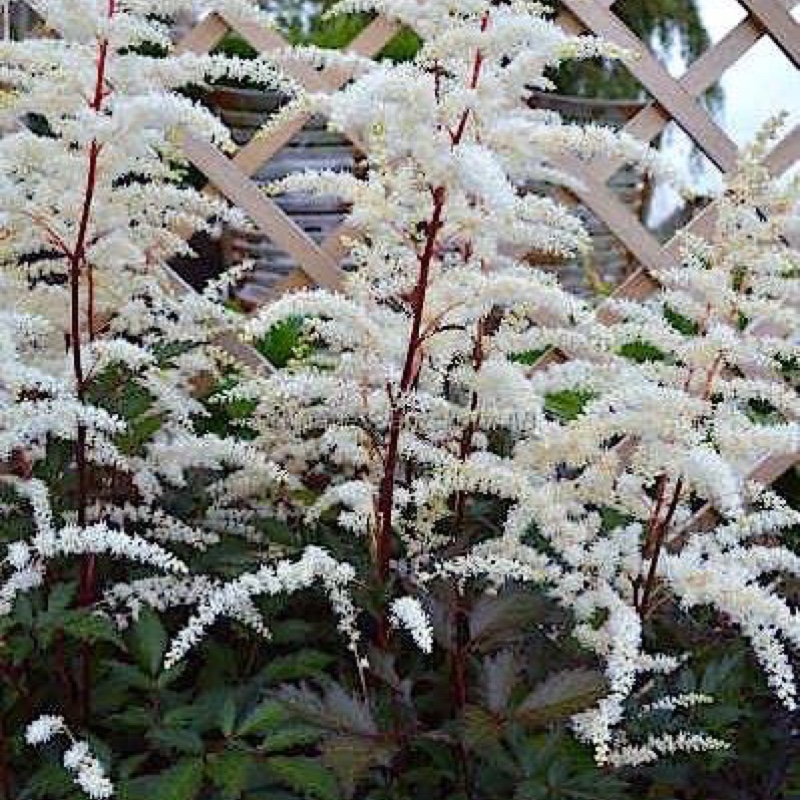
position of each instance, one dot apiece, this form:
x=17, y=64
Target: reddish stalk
x=413, y=360
x=383, y=545
x=77, y=264
x=477, y=67
x=658, y=528
x=385, y=504
x=5, y=769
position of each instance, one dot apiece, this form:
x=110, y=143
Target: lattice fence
x=674, y=100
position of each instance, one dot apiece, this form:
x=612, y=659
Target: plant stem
x=77, y=264
x=5, y=769
x=383, y=546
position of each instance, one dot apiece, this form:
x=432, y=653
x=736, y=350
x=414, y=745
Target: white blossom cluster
x=408, y=614
x=105, y=358
x=87, y=771
x=414, y=395
x=93, y=206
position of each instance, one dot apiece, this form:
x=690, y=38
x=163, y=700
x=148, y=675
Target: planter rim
x=626, y=107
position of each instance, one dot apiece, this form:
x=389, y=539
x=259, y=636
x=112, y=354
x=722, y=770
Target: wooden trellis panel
x=675, y=100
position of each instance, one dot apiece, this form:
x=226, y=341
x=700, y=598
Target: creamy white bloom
x=408, y=614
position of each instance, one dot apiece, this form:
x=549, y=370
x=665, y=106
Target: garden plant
x=447, y=531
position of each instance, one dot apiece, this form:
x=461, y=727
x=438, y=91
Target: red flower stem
x=77, y=263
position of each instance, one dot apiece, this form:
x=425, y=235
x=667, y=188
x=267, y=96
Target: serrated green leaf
x=87, y=626
x=226, y=718
x=352, y=757
x=306, y=776
x=147, y=641
x=305, y=663
x=283, y=342
x=265, y=718
x=642, y=352
x=528, y=358
x=49, y=782
x=681, y=323
x=230, y=772
x=290, y=737
x=138, y=432
x=568, y=404
x=560, y=695
x=180, y=782
x=480, y=728
x=183, y=741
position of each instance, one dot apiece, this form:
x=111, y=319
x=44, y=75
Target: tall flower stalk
x=95, y=447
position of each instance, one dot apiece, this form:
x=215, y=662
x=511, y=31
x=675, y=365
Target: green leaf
x=306, y=776
x=87, y=626
x=481, y=729
x=283, y=342
x=642, y=352
x=181, y=782
x=138, y=433
x=290, y=737
x=61, y=597
x=226, y=718
x=528, y=358
x=49, y=782
x=178, y=740
x=265, y=718
x=147, y=642
x=503, y=619
x=681, y=324
x=305, y=663
x=229, y=772
x=352, y=757
x=560, y=695
x=569, y=404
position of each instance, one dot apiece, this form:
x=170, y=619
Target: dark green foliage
x=642, y=352
x=567, y=405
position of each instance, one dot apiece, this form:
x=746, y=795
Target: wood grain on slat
x=765, y=473
x=605, y=204
x=782, y=27
x=280, y=228
x=204, y=36
x=678, y=102
x=701, y=75
x=319, y=263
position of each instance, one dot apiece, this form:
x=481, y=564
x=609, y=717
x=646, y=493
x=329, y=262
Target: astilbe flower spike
x=103, y=357
x=414, y=396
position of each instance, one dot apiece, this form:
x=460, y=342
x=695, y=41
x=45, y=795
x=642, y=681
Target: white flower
x=408, y=614
x=88, y=771
x=44, y=728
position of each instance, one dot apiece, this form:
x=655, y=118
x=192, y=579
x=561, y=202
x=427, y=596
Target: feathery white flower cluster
x=407, y=613
x=92, y=208
x=286, y=577
x=105, y=359
x=88, y=773
x=416, y=396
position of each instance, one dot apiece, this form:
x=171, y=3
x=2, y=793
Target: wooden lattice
x=675, y=100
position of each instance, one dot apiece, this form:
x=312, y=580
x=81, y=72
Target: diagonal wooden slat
x=674, y=98
x=606, y=205
x=241, y=191
x=320, y=263
x=782, y=27
x=261, y=148
x=701, y=75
